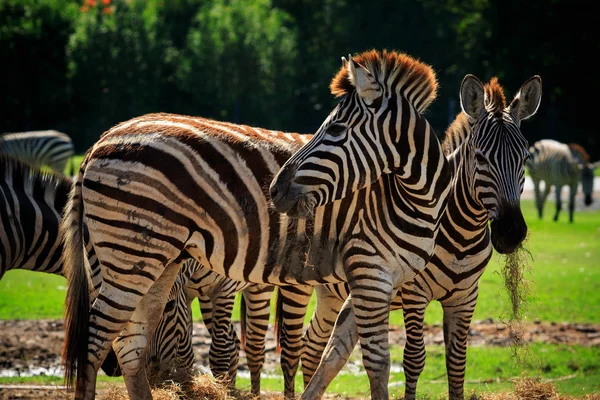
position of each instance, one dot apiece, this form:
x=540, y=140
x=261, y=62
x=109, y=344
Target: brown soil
x=27, y=345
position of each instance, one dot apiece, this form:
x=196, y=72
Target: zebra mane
x=411, y=78
x=22, y=174
x=577, y=148
x=495, y=101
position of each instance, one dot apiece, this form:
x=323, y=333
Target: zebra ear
x=365, y=83
x=472, y=96
x=527, y=101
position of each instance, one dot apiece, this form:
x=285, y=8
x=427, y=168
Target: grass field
x=565, y=283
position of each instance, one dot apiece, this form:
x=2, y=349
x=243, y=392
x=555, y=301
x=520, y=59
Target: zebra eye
x=336, y=129
x=170, y=306
x=527, y=155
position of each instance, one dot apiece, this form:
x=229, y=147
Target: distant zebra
x=487, y=151
x=159, y=186
x=559, y=164
x=38, y=148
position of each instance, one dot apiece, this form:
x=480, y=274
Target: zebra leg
x=131, y=344
x=255, y=322
x=457, y=320
x=557, y=190
x=539, y=200
x=319, y=330
x=414, y=350
x=365, y=317
x=572, y=193
x=338, y=349
x=291, y=312
x=224, y=345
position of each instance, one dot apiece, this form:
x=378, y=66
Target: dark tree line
x=83, y=66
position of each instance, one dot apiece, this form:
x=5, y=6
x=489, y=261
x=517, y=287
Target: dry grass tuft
x=532, y=389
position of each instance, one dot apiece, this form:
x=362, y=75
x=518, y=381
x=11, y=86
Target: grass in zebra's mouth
x=516, y=273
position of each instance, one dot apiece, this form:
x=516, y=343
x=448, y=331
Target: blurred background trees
x=81, y=66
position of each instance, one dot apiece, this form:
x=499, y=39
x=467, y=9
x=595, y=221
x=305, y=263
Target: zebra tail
x=77, y=302
x=278, y=323
x=243, y=321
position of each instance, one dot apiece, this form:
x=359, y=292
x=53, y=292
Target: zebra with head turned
x=487, y=151
x=38, y=148
x=559, y=164
x=159, y=186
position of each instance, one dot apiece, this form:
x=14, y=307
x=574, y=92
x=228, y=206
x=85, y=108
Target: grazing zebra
x=38, y=148
x=487, y=151
x=160, y=187
x=559, y=164
x=31, y=206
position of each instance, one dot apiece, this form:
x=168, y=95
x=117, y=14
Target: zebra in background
x=160, y=186
x=487, y=152
x=559, y=164
x=39, y=148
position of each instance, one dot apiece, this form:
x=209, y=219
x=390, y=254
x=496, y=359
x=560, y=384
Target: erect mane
x=411, y=78
x=24, y=175
x=495, y=101
x=582, y=153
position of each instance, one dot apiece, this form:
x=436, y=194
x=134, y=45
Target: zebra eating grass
x=161, y=186
x=487, y=152
x=559, y=164
x=39, y=148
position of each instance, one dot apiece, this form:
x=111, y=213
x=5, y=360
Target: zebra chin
x=508, y=230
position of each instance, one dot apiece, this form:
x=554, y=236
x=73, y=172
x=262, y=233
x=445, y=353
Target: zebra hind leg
x=319, y=330
x=572, y=193
x=131, y=345
x=292, y=302
x=557, y=191
x=256, y=310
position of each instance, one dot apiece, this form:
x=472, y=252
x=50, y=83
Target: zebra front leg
x=255, y=310
x=131, y=344
x=457, y=320
x=338, y=349
x=319, y=330
x=414, y=305
x=539, y=198
x=292, y=302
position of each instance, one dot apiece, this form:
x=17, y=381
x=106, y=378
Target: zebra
x=559, y=164
x=487, y=152
x=38, y=148
x=161, y=186
x=32, y=203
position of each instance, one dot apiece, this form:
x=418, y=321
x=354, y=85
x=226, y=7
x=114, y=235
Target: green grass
x=490, y=369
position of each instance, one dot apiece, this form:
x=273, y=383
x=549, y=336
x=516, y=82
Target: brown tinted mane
x=582, y=153
x=494, y=96
x=411, y=78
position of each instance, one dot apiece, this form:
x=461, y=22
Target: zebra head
x=382, y=95
x=587, y=181
x=497, y=152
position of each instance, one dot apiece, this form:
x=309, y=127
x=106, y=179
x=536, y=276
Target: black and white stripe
x=39, y=148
